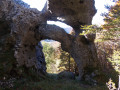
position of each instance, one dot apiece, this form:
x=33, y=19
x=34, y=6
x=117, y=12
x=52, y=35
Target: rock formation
x=17, y=39
x=26, y=27
x=40, y=63
x=73, y=13
x=66, y=75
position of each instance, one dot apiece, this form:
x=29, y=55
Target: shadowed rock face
x=17, y=35
x=40, y=63
x=76, y=13
x=81, y=48
x=28, y=26
x=83, y=51
x=66, y=75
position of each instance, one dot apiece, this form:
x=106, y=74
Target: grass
x=57, y=85
x=51, y=83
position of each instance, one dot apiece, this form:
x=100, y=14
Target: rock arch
x=29, y=26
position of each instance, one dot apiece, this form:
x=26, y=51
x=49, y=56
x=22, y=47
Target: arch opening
x=56, y=59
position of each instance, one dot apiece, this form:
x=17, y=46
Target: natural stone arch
x=81, y=48
x=29, y=26
x=74, y=12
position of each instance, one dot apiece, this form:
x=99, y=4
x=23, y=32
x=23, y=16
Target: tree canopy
x=112, y=21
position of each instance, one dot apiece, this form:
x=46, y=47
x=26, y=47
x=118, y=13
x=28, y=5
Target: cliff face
x=76, y=13
x=73, y=12
x=22, y=28
x=18, y=40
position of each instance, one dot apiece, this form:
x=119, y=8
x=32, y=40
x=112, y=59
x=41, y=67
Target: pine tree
x=112, y=21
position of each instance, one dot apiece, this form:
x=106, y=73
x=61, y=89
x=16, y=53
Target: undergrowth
x=51, y=83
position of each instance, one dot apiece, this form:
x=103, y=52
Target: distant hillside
x=53, y=43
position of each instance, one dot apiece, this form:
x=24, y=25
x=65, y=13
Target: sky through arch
x=97, y=19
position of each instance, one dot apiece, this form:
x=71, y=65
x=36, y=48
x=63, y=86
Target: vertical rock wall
x=41, y=64
x=76, y=13
x=28, y=26
x=18, y=43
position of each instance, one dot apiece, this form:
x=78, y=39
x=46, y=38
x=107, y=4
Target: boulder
x=66, y=75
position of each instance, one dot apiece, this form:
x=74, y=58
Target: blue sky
x=97, y=19
x=39, y=4
x=100, y=6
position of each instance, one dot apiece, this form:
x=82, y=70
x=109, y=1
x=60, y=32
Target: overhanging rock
x=74, y=12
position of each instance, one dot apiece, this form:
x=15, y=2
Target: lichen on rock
x=74, y=13
x=17, y=35
x=28, y=26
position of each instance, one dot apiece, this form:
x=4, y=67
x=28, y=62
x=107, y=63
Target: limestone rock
x=41, y=64
x=66, y=75
x=74, y=12
x=26, y=27
x=18, y=38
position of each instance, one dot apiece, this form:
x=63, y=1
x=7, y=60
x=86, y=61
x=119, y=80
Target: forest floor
x=53, y=84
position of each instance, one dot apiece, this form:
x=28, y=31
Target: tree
x=29, y=26
x=112, y=21
x=115, y=60
x=66, y=62
x=49, y=53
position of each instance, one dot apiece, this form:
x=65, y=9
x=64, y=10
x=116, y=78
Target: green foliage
x=90, y=29
x=49, y=53
x=57, y=60
x=67, y=62
x=111, y=85
x=111, y=28
x=115, y=60
x=53, y=84
x=105, y=52
x=112, y=21
x=64, y=57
